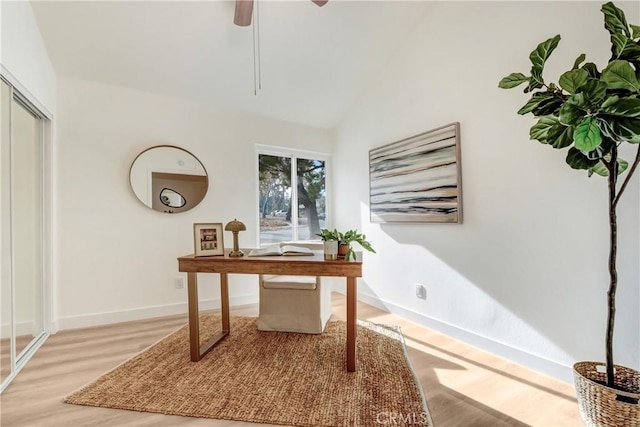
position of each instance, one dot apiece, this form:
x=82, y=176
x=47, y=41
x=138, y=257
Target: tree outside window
x=292, y=205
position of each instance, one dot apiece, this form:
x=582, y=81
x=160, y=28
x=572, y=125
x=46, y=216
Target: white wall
x=117, y=257
x=24, y=55
x=525, y=275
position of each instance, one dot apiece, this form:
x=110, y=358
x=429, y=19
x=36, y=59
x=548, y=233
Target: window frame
x=294, y=155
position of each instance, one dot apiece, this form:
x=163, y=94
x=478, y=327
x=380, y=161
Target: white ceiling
x=315, y=61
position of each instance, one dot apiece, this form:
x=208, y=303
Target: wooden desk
x=281, y=265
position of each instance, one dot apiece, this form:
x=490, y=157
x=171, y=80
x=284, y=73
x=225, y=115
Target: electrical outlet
x=179, y=282
x=421, y=292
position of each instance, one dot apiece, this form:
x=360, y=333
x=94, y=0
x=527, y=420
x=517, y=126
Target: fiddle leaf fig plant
x=591, y=113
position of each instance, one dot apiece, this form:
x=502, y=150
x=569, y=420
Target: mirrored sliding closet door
x=22, y=271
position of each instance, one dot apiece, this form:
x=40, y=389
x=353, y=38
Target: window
x=292, y=195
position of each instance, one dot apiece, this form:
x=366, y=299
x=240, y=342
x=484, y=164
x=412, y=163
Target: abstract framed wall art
x=417, y=179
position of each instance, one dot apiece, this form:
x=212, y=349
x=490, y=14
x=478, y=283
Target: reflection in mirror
x=171, y=198
x=168, y=179
x=27, y=226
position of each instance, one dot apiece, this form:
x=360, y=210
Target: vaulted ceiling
x=314, y=61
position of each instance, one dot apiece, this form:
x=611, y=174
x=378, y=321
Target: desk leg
x=352, y=305
x=197, y=351
x=194, y=314
x=224, y=302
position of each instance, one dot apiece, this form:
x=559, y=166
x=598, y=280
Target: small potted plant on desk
x=330, y=241
x=345, y=251
x=337, y=245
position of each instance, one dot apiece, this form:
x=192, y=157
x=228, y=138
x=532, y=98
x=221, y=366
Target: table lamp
x=235, y=226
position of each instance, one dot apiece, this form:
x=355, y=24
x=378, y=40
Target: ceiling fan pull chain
x=255, y=91
x=257, y=66
x=244, y=13
x=259, y=57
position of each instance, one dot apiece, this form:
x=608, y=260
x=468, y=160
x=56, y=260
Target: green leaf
x=625, y=107
x=603, y=149
x=548, y=106
x=606, y=127
x=635, y=31
x=592, y=70
x=620, y=75
x=513, y=80
x=539, y=130
x=587, y=135
x=618, y=42
x=594, y=90
x=572, y=80
x=539, y=56
x=366, y=245
x=535, y=100
x=533, y=84
x=560, y=136
x=623, y=129
x=610, y=100
x=631, y=51
x=542, y=52
x=614, y=20
x=578, y=61
x=622, y=165
x=600, y=169
x=577, y=160
x=571, y=114
x=579, y=100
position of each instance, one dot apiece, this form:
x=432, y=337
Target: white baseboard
x=22, y=328
x=95, y=319
x=537, y=363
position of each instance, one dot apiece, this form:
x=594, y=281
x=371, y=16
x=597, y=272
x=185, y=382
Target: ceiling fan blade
x=244, y=10
x=320, y=2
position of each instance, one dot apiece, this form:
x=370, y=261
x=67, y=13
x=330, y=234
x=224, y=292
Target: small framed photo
x=208, y=239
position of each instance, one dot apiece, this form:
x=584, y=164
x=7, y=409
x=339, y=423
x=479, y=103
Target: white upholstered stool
x=294, y=303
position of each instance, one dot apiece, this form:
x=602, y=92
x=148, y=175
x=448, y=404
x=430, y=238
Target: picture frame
x=208, y=239
x=417, y=179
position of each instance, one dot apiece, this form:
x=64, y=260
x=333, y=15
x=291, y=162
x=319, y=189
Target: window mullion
x=294, y=197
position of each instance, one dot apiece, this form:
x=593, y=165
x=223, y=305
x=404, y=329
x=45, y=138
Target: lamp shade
x=235, y=226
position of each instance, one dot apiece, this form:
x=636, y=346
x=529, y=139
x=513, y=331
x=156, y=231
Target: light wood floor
x=5, y=352
x=463, y=385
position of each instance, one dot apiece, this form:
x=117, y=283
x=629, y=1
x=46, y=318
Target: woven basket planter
x=599, y=404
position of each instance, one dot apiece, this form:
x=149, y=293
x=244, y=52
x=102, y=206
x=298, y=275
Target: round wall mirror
x=168, y=179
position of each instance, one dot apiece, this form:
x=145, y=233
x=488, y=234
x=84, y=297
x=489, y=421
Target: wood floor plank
x=464, y=386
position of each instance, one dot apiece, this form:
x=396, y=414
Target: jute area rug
x=270, y=377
